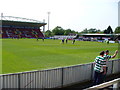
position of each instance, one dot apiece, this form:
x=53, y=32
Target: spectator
x=107, y=57
x=99, y=68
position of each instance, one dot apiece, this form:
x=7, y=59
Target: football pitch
x=29, y=54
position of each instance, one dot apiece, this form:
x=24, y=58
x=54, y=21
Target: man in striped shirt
x=99, y=68
x=107, y=57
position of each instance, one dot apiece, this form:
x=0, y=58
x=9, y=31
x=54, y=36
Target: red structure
x=23, y=28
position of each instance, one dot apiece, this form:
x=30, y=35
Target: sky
x=69, y=14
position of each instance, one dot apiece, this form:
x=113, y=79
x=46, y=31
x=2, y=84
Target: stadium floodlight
x=43, y=26
x=48, y=19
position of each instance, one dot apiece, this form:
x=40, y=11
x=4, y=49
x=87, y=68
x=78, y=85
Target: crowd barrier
x=54, y=78
x=111, y=85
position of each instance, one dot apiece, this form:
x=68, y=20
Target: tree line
x=58, y=30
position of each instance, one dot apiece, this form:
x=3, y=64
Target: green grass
x=29, y=54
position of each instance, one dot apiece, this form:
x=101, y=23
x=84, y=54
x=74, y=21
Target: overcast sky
x=74, y=14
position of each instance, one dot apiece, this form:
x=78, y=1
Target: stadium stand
x=11, y=28
x=22, y=33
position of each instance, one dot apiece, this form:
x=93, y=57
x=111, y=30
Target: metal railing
x=115, y=83
x=54, y=78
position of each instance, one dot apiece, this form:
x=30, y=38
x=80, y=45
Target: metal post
x=112, y=68
x=44, y=28
x=1, y=16
x=48, y=19
x=3, y=81
x=62, y=77
x=119, y=13
x=116, y=86
x=92, y=70
x=18, y=81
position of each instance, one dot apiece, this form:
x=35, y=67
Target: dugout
x=16, y=27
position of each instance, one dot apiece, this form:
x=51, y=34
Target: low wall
x=54, y=78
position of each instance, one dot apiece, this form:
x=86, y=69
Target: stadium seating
x=8, y=32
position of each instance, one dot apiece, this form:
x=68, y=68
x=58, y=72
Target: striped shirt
x=99, y=63
x=107, y=57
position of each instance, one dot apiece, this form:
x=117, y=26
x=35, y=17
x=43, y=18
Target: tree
x=91, y=30
x=109, y=30
x=48, y=33
x=58, y=31
x=117, y=30
x=84, y=31
x=99, y=31
x=70, y=32
x=105, y=31
x=67, y=32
